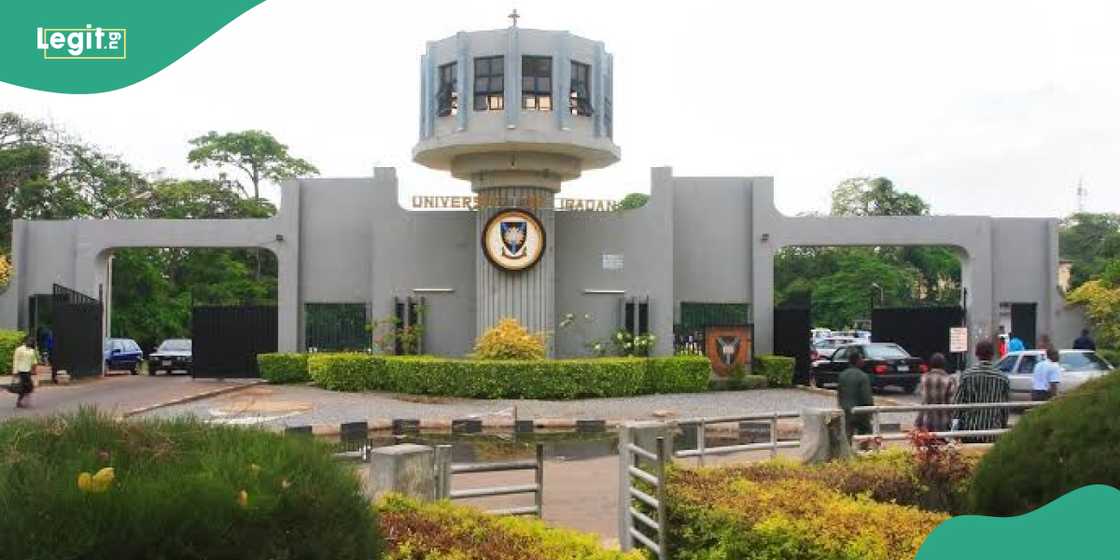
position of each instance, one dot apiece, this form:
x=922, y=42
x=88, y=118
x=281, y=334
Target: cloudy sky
x=979, y=107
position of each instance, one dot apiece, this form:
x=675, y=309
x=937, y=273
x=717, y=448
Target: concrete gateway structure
x=517, y=112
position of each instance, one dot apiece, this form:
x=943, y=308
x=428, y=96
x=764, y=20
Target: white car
x=1078, y=366
x=824, y=348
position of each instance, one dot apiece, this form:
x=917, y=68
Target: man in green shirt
x=854, y=389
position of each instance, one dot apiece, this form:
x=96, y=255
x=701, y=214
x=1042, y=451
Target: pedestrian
x=1084, y=342
x=982, y=383
x=936, y=387
x=24, y=359
x=853, y=388
x=1001, y=342
x=1016, y=344
x=1046, y=376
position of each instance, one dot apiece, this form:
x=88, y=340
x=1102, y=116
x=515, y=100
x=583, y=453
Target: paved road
x=287, y=405
x=118, y=394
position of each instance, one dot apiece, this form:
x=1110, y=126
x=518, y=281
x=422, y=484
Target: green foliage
x=778, y=370
x=510, y=379
x=1111, y=355
x=256, y=153
x=9, y=341
x=1101, y=301
x=739, y=380
x=508, y=340
x=844, y=510
x=633, y=200
x=179, y=489
x=846, y=295
x=442, y=531
x=283, y=368
x=1070, y=442
x=865, y=196
x=1091, y=242
x=626, y=344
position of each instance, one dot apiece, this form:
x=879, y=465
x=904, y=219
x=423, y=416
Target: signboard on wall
x=727, y=347
x=958, y=339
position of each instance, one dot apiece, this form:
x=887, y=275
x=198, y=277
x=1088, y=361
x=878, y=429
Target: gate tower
x=516, y=112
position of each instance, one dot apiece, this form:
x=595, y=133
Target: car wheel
x=909, y=388
x=135, y=370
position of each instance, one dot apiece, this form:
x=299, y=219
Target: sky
x=994, y=108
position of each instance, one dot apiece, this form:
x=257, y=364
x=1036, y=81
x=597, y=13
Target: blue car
x=123, y=354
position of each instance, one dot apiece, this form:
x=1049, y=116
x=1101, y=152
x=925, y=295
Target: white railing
x=701, y=426
x=445, y=469
x=877, y=411
x=631, y=457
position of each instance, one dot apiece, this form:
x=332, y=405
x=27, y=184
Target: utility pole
x=1082, y=194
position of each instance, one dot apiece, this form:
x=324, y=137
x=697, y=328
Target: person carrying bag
x=24, y=359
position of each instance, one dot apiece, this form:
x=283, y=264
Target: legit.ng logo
x=88, y=43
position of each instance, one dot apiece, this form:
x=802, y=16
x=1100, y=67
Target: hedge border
x=283, y=367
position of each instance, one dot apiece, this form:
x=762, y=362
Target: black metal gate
x=227, y=339
x=920, y=330
x=792, y=338
x=78, y=341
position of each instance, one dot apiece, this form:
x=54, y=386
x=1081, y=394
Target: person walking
x=936, y=387
x=1016, y=344
x=1046, y=376
x=982, y=383
x=1084, y=342
x=853, y=388
x=24, y=359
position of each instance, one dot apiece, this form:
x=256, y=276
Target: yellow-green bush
x=508, y=340
x=778, y=370
x=441, y=531
x=511, y=379
x=283, y=367
x=9, y=340
x=716, y=515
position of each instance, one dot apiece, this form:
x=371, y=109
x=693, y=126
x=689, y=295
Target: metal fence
x=632, y=455
x=701, y=426
x=877, y=411
x=445, y=469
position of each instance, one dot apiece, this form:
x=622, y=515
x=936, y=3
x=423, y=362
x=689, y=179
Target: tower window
x=536, y=83
x=489, y=83
x=448, y=95
x=579, y=100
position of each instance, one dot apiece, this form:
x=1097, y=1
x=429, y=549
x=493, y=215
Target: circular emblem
x=513, y=240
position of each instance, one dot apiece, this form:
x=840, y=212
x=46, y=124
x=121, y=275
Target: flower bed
x=857, y=509
x=87, y=486
x=441, y=531
x=514, y=379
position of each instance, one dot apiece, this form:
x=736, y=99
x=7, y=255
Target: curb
x=194, y=397
x=883, y=401
x=408, y=426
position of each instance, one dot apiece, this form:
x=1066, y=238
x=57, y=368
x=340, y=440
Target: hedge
x=9, y=340
x=511, y=379
x=441, y=531
x=1070, y=442
x=716, y=515
x=175, y=489
x=283, y=368
x=778, y=370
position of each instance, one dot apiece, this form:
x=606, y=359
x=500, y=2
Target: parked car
x=1078, y=366
x=123, y=354
x=885, y=362
x=172, y=355
x=823, y=348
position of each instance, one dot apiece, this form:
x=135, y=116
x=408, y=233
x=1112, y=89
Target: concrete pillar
x=822, y=435
x=407, y=469
x=643, y=434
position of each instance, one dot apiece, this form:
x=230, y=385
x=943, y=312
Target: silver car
x=1078, y=366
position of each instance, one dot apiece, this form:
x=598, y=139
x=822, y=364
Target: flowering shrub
x=441, y=531
x=5, y=272
x=784, y=511
x=626, y=344
x=508, y=340
x=87, y=486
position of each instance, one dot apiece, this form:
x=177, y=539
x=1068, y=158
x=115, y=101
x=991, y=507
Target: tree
x=1090, y=242
x=847, y=294
x=864, y=196
x=633, y=200
x=254, y=152
x=1101, y=301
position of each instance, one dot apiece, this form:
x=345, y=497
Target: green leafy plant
x=626, y=344
x=508, y=340
x=88, y=486
x=9, y=341
x=778, y=370
x=442, y=531
x=390, y=335
x=578, y=325
x=1070, y=442
x=283, y=367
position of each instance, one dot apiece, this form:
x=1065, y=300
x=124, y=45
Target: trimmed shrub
x=87, y=486
x=509, y=379
x=9, y=341
x=441, y=531
x=778, y=370
x=508, y=340
x=1070, y=442
x=716, y=515
x=347, y=371
x=283, y=368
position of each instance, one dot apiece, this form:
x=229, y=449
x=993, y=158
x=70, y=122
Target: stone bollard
x=407, y=469
x=62, y=378
x=822, y=435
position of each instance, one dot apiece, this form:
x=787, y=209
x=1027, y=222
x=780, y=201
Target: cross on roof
x=513, y=17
